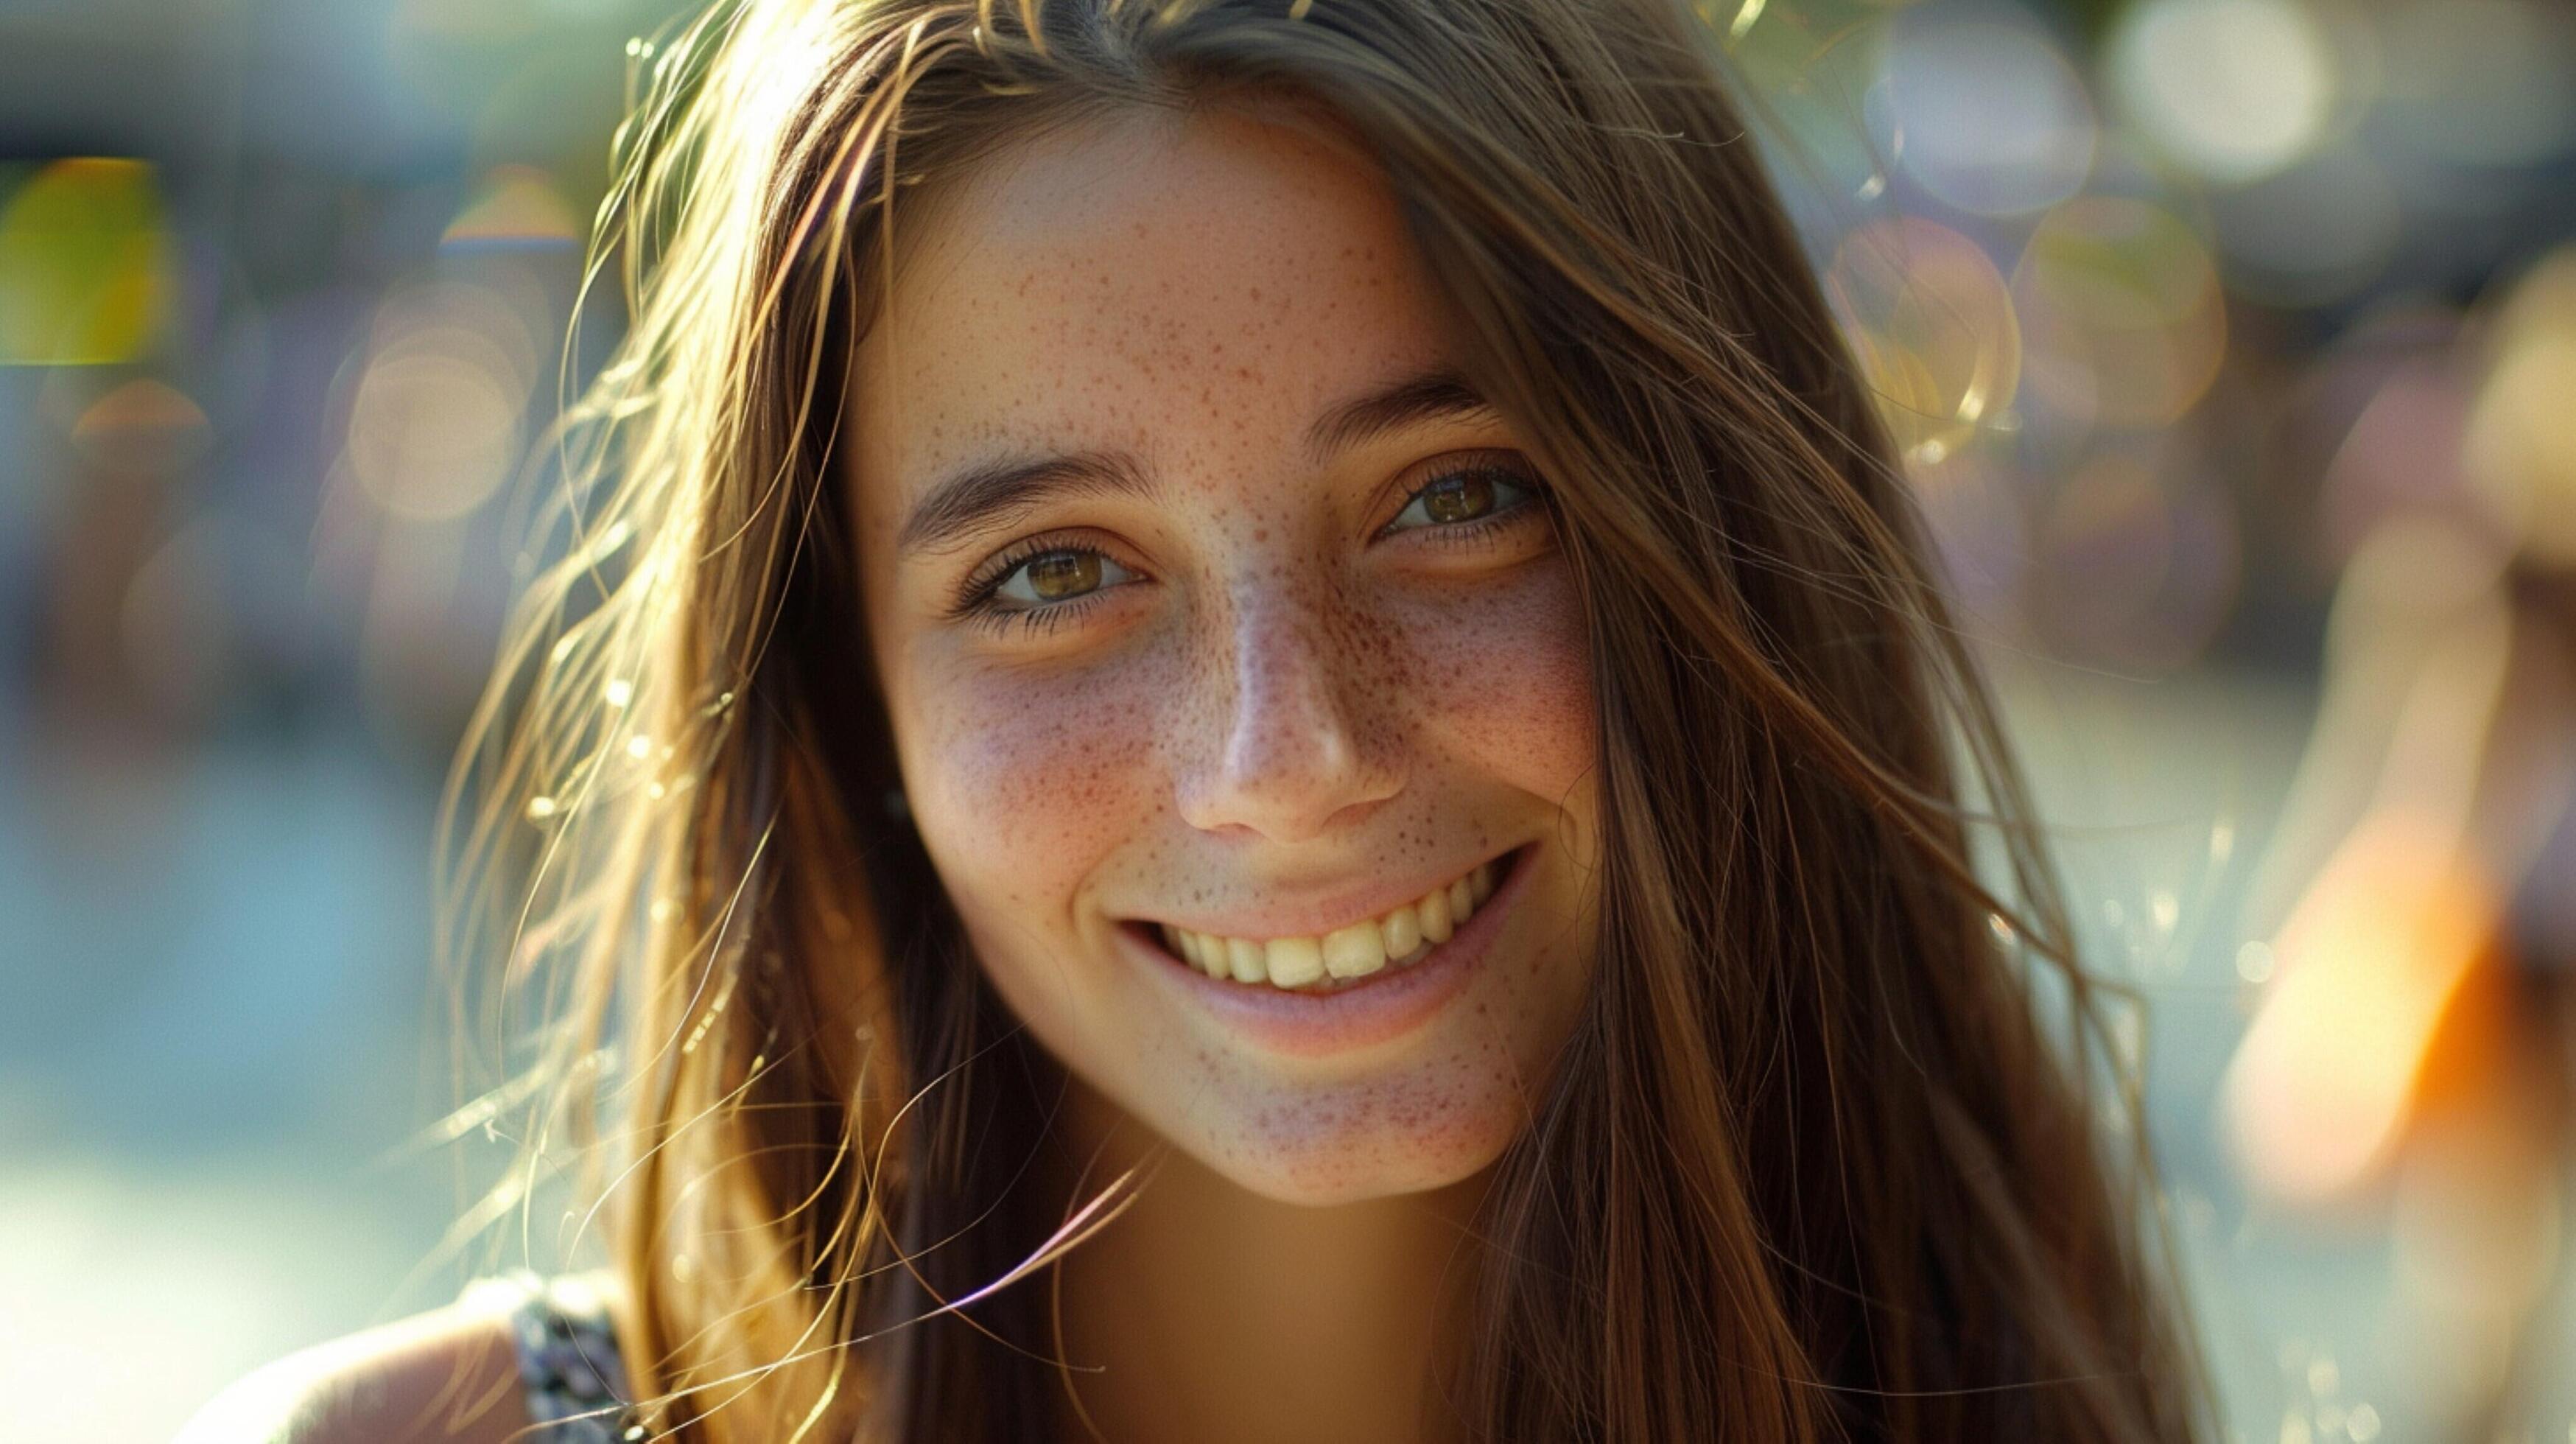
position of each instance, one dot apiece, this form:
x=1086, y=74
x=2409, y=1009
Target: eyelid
x=1409, y=485
x=1019, y=568
x=975, y=593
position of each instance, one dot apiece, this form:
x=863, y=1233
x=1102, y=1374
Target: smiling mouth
x=1394, y=940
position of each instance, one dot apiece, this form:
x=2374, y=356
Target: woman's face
x=1203, y=596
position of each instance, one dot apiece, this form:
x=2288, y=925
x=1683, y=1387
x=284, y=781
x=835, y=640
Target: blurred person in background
x=1266, y=661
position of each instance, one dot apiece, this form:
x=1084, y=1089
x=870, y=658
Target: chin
x=1360, y=1144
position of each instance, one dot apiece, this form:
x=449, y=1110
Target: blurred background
x=2233, y=346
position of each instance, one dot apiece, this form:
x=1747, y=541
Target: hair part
x=1815, y=1165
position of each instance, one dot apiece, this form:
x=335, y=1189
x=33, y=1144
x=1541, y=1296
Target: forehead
x=1191, y=288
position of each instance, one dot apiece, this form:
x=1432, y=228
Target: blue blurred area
x=249, y=578
x=2194, y=316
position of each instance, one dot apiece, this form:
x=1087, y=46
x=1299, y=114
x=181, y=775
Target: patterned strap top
x=572, y=1378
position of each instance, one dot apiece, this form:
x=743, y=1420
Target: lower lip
x=1389, y=1004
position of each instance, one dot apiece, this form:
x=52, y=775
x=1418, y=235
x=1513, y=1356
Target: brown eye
x=1058, y=575
x=1464, y=496
x=1062, y=575
x=1458, y=498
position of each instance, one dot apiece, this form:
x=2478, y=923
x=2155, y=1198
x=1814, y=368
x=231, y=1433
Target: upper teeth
x=1401, y=936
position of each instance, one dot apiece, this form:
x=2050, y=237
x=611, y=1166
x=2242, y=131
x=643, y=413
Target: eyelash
x=977, y=605
x=1463, y=533
x=976, y=601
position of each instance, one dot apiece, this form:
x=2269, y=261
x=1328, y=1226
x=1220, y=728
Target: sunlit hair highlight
x=1815, y=1165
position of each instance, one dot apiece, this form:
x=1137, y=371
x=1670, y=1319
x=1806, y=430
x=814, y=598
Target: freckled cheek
x=1030, y=779
x=1504, y=677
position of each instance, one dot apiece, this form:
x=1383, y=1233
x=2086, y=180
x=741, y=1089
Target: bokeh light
x=1975, y=515
x=434, y=424
x=2232, y=89
x=2123, y=322
x=2136, y=565
x=143, y=426
x=1932, y=324
x=85, y=274
x=1994, y=119
x=517, y=206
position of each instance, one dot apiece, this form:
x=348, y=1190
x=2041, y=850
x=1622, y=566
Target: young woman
x=1243, y=737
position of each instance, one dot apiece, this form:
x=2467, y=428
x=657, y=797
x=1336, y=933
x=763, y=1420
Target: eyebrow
x=1436, y=395
x=990, y=494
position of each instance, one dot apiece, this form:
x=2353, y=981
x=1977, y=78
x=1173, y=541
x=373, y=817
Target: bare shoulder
x=449, y=1374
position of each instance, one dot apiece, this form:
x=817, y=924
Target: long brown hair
x=1819, y=1162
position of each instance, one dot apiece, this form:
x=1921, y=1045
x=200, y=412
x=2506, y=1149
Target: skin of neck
x=1207, y=1311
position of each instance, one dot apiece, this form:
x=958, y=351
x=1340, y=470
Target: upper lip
x=1318, y=913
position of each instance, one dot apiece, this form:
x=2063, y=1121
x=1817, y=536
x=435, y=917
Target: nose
x=1288, y=755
